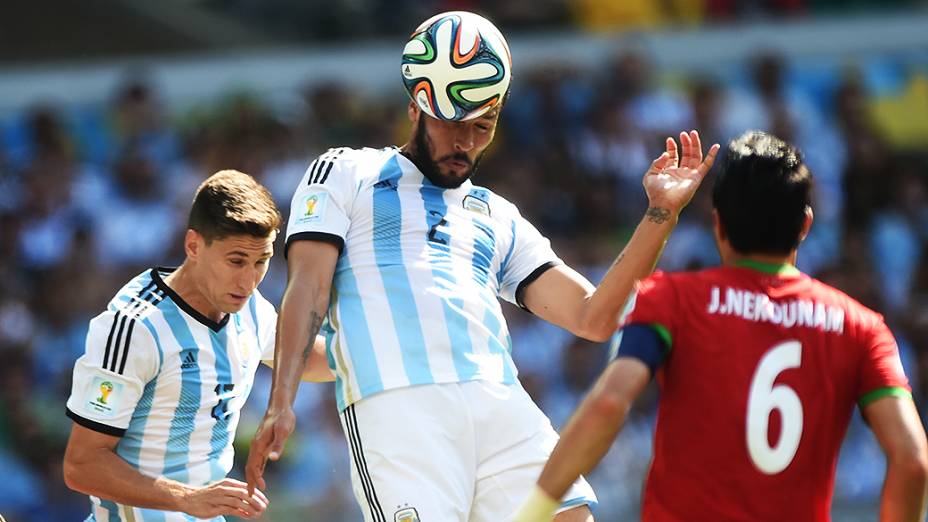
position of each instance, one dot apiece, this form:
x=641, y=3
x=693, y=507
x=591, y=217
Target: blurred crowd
x=92, y=195
x=325, y=20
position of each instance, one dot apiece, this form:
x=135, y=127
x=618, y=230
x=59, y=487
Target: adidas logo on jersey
x=387, y=183
x=188, y=359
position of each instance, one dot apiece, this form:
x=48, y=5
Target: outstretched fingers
x=697, y=145
x=254, y=468
x=671, y=147
x=704, y=167
x=686, y=146
x=662, y=162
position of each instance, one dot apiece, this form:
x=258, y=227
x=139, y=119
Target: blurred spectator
x=600, y=15
x=898, y=234
x=137, y=221
x=653, y=108
x=137, y=120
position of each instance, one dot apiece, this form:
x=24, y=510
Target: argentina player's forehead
x=246, y=246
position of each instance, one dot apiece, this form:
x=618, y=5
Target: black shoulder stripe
x=327, y=170
x=153, y=298
x=132, y=305
x=323, y=166
x=140, y=304
x=130, y=312
x=125, y=347
x=109, y=340
x=122, y=326
x=313, y=167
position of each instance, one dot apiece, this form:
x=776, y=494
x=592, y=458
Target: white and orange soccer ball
x=456, y=66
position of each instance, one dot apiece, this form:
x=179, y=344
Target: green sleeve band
x=879, y=393
x=664, y=333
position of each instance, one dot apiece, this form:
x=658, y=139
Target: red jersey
x=757, y=391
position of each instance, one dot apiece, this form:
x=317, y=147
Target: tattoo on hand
x=315, y=322
x=658, y=215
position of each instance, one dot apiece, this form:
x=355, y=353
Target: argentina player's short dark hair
x=761, y=194
x=232, y=203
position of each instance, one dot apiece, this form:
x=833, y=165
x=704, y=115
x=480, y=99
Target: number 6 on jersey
x=765, y=397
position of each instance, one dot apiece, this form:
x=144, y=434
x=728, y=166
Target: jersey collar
x=783, y=269
x=184, y=305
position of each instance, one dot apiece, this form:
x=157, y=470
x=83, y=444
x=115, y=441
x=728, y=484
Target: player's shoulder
x=855, y=311
x=685, y=279
x=346, y=163
x=124, y=320
x=138, y=298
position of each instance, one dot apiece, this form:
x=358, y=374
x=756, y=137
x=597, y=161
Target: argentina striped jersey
x=417, y=284
x=170, y=383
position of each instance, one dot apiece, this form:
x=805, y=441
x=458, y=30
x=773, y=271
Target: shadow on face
x=448, y=152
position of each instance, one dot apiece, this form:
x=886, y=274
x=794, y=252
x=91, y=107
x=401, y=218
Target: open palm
x=674, y=177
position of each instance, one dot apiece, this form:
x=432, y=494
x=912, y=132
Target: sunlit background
x=113, y=111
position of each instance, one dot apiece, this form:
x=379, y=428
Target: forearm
x=904, y=492
x=603, y=307
x=124, y=484
x=301, y=312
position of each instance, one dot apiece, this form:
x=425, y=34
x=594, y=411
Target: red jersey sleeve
x=881, y=372
x=654, y=303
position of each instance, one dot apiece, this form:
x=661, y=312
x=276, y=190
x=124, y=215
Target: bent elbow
x=71, y=472
x=914, y=466
x=595, y=327
x=918, y=468
x=598, y=336
x=595, y=333
x=609, y=405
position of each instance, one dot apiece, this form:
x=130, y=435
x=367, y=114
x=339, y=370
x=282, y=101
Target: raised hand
x=673, y=178
x=226, y=497
x=268, y=443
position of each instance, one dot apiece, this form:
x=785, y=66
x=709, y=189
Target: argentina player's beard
x=421, y=156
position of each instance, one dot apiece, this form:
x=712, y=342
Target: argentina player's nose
x=463, y=137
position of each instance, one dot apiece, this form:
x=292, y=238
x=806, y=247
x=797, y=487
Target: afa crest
x=406, y=515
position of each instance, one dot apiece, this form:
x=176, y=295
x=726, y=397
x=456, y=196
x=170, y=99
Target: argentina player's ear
x=413, y=112
x=192, y=244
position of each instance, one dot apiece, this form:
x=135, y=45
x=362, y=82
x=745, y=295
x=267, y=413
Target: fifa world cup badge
x=102, y=397
x=106, y=388
x=313, y=209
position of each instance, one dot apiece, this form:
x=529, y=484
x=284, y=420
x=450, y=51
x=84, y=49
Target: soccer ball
x=456, y=66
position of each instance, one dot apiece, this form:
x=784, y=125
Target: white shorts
x=456, y=452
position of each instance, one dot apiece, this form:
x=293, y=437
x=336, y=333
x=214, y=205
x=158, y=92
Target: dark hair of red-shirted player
x=762, y=195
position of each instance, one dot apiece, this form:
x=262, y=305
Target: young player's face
x=230, y=269
x=448, y=152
